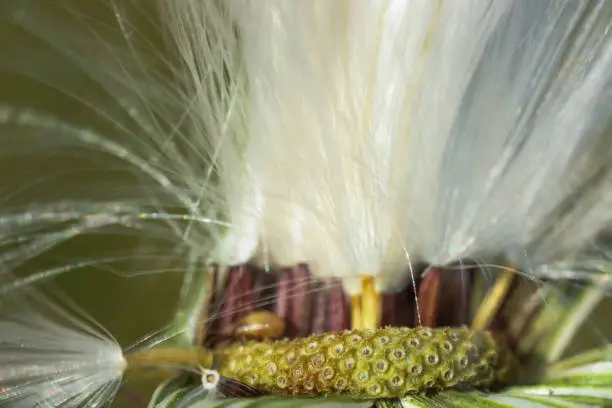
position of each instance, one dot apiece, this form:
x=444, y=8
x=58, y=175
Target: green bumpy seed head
x=383, y=363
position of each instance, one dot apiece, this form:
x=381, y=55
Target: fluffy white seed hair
x=383, y=133
x=50, y=357
x=357, y=136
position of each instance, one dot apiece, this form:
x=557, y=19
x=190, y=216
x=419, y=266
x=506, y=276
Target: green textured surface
x=370, y=363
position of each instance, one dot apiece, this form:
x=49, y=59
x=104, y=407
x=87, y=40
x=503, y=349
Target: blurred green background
x=129, y=307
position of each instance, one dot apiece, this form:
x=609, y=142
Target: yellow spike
x=366, y=307
x=371, y=304
x=493, y=300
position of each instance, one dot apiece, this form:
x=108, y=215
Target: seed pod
x=381, y=363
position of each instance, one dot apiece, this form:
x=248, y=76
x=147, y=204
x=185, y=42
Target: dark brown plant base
x=437, y=297
x=309, y=306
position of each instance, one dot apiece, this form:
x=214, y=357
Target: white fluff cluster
x=52, y=358
x=360, y=136
x=387, y=132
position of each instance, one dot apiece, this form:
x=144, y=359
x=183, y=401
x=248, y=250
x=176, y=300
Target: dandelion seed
x=49, y=357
